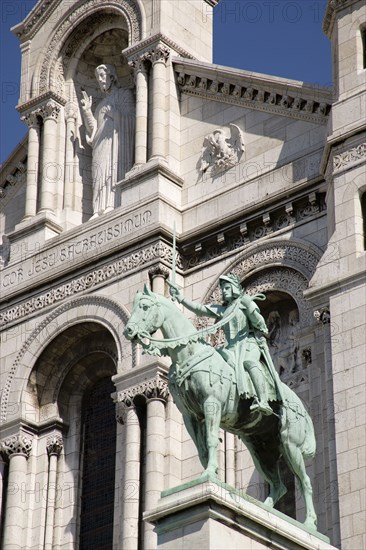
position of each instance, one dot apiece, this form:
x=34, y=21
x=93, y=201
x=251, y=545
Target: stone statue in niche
x=110, y=133
x=221, y=152
x=284, y=342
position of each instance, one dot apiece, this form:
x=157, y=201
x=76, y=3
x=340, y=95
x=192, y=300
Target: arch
x=97, y=309
x=295, y=263
x=128, y=9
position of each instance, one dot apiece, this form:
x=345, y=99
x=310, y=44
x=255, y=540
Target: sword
x=174, y=259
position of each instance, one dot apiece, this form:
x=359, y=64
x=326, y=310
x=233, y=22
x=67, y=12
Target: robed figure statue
x=110, y=133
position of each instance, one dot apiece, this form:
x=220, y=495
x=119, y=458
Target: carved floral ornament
x=54, y=445
x=154, y=388
x=19, y=444
x=349, y=157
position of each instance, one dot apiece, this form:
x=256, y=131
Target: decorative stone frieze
x=258, y=227
x=349, y=157
x=260, y=96
x=121, y=266
x=154, y=388
x=322, y=315
x=19, y=444
x=54, y=445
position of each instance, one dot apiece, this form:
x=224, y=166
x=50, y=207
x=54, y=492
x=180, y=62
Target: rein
x=171, y=343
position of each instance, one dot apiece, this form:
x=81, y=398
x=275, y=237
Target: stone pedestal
x=205, y=514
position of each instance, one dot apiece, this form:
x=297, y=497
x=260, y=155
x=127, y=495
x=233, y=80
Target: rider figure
x=242, y=347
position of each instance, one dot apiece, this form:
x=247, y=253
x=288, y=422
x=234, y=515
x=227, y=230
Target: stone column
x=32, y=121
x=50, y=168
x=126, y=414
x=54, y=448
x=17, y=448
x=155, y=451
x=158, y=274
x=2, y=476
x=159, y=57
x=140, y=68
x=323, y=317
x=69, y=179
x=230, y=459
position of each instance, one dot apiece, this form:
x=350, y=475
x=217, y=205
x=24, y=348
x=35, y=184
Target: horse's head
x=147, y=315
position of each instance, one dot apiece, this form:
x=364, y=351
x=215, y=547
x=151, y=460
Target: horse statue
x=203, y=386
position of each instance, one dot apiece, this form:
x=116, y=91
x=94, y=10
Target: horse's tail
x=309, y=446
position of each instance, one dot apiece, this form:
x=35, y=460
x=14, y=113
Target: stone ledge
x=191, y=514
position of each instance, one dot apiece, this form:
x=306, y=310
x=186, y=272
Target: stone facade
x=261, y=176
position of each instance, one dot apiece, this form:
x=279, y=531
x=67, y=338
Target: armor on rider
x=243, y=349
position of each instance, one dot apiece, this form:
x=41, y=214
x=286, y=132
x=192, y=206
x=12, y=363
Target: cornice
x=261, y=92
x=145, y=45
x=37, y=101
x=37, y=16
x=332, y=7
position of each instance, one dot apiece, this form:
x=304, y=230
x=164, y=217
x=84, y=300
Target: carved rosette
x=322, y=315
x=54, y=445
x=154, y=388
x=19, y=444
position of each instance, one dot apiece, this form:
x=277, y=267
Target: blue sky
x=278, y=37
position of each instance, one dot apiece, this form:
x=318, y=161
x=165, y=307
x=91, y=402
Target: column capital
x=322, y=315
x=18, y=444
x=54, y=445
x=140, y=63
x=153, y=388
x=50, y=110
x=160, y=54
x=31, y=118
x=158, y=270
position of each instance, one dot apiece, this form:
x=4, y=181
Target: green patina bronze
x=234, y=387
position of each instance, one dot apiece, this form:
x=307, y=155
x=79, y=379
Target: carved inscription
x=77, y=248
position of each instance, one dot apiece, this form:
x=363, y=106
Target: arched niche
x=67, y=368
x=21, y=396
x=76, y=28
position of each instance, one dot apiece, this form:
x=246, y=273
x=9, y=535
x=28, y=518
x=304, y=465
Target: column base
x=31, y=233
x=207, y=514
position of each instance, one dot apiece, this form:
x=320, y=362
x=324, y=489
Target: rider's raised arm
x=198, y=309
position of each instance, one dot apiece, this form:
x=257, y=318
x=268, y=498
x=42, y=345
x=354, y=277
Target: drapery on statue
x=217, y=388
x=111, y=135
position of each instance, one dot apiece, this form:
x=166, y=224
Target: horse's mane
x=166, y=302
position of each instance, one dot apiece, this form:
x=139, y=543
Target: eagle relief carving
x=220, y=151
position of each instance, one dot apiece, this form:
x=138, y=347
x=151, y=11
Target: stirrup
x=261, y=407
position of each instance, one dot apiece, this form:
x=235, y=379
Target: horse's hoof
x=269, y=502
x=311, y=523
